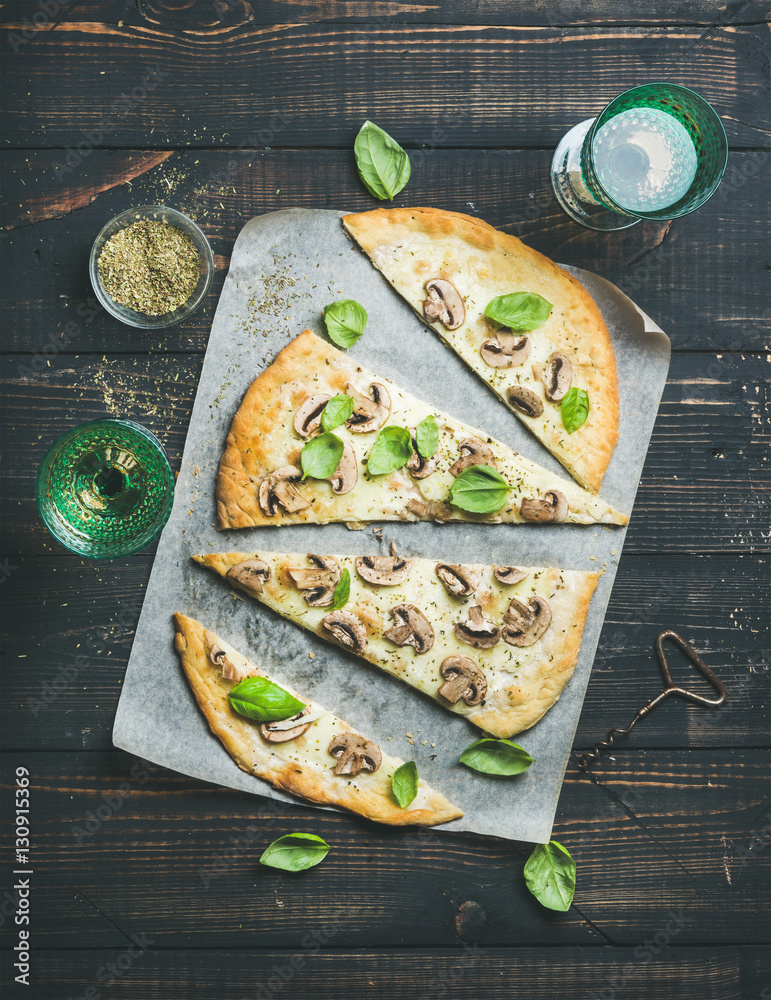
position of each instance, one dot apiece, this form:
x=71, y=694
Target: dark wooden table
x=146, y=884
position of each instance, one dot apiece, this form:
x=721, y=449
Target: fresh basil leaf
x=261, y=699
x=345, y=321
x=295, y=852
x=427, y=436
x=391, y=450
x=575, y=409
x=404, y=783
x=497, y=757
x=550, y=873
x=336, y=412
x=321, y=456
x=519, y=310
x=342, y=591
x=479, y=489
x=383, y=165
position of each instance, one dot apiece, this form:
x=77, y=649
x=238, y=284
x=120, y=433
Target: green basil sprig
x=404, y=783
x=345, y=321
x=261, y=699
x=550, y=873
x=342, y=591
x=391, y=450
x=427, y=436
x=295, y=852
x=497, y=757
x=575, y=409
x=321, y=456
x=479, y=489
x=519, y=310
x=336, y=412
x=383, y=165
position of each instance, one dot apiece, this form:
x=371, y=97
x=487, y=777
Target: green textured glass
x=105, y=488
x=656, y=152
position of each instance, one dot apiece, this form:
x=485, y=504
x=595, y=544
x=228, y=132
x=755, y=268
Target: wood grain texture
x=220, y=16
x=662, y=266
x=63, y=681
x=464, y=973
x=251, y=106
x=486, y=86
x=191, y=850
x=705, y=485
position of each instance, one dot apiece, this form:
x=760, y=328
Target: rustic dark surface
x=253, y=107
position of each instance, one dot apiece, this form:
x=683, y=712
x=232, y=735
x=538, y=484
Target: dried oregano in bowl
x=150, y=266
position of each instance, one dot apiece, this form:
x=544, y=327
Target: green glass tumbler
x=105, y=489
x=656, y=152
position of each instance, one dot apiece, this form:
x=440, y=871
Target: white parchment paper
x=285, y=268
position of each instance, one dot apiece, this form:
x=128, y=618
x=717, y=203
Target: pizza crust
x=411, y=245
x=300, y=766
x=262, y=438
x=523, y=683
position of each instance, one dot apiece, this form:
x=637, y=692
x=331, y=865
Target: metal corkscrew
x=592, y=756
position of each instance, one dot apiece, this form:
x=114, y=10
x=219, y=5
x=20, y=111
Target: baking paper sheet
x=285, y=268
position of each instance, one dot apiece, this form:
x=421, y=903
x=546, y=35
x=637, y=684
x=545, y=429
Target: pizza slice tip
x=524, y=325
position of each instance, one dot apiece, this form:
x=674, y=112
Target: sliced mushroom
x=273, y=735
x=553, y=507
x=477, y=631
x=439, y=510
x=251, y=573
x=419, y=467
x=506, y=350
x=369, y=412
x=509, y=575
x=524, y=400
x=354, y=754
x=230, y=672
x=526, y=623
x=220, y=659
x=318, y=583
x=460, y=581
x=412, y=628
x=346, y=475
x=307, y=418
x=558, y=376
x=472, y=452
x=348, y=629
x=444, y=304
x=383, y=571
x=417, y=507
x=276, y=490
x=463, y=679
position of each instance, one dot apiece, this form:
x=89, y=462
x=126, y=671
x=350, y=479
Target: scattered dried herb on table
x=151, y=267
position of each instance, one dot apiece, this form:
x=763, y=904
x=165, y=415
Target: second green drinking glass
x=656, y=152
x=105, y=489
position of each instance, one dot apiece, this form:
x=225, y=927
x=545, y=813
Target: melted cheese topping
x=508, y=669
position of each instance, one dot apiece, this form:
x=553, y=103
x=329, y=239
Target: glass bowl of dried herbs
x=151, y=267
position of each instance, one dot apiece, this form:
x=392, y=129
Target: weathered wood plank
x=499, y=82
x=177, y=847
x=316, y=969
x=223, y=15
x=704, y=487
x=69, y=625
x=661, y=266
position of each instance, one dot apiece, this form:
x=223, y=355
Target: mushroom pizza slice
x=496, y=644
x=318, y=438
x=311, y=753
x=529, y=329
